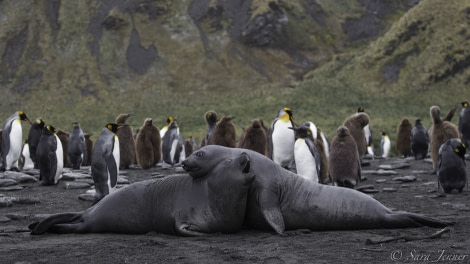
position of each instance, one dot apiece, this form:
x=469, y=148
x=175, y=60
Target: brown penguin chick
x=403, y=141
x=89, y=148
x=344, y=164
x=148, y=145
x=211, y=120
x=225, y=133
x=441, y=131
x=356, y=123
x=189, y=146
x=255, y=138
x=64, y=139
x=126, y=142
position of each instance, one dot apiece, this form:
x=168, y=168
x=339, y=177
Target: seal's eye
x=199, y=154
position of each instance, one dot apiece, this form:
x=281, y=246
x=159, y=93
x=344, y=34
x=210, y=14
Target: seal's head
x=200, y=162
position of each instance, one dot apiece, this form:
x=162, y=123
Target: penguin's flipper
x=6, y=141
x=316, y=154
x=53, y=163
x=270, y=139
x=112, y=168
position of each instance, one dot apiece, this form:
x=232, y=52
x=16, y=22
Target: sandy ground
x=247, y=246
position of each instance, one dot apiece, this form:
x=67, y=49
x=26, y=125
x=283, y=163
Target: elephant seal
x=178, y=205
x=282, y=200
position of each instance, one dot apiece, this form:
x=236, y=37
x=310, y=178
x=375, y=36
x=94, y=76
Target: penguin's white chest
x=59, y=152
x=304, y=161
x=117, y=157
x=28, y=163
x=283, y=140
x=385, y=147
x=16, y=136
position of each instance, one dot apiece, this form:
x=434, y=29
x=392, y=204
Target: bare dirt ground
x=248, y=246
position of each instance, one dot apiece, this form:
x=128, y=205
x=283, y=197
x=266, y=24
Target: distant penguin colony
x=105, y=161
x=126, y=142
x=403, y=140
x=451, y=169
x=282, y=139
x=12, y=141
x=464, y=123
x=148, y=145
x=77, y=150
x=419, y=140
x=441, y=132
x=344, y=162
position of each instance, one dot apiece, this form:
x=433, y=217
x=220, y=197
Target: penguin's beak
x=29, y=121
x=293, y=128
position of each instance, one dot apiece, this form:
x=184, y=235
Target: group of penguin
x=301, y=148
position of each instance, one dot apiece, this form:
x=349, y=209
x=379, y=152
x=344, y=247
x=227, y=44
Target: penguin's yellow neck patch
x=284, y=118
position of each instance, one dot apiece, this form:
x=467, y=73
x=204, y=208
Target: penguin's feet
x=15, y=169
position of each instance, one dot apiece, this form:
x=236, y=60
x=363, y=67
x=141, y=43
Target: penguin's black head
x=74, y=124
x=113, y=127
x=23, y=117
x=460, y=148
x=40, y=123
x=360, y=109
x=211, y=117
x=418, y=121
x=51, y=128
x=288, y=111
x=383, y=133
x=464, y=104
x=302, y=131
x=169, y=120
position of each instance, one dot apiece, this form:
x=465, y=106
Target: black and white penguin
x=12, y=140
x=318, y=134
x=77, y=150
x=50, y=156
x=34, y=135
x=282, y=139
x=464, y=123
x=26, y=162
x=173, y=145
x=385, y=145
x=105, y=161
x=211, y=120
x=307, y=157
x=451, y=167
x=419, y=140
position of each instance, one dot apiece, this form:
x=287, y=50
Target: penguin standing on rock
x=12, y=140
x=419, y=140
x=308, y=159
x=282, y=139
x=105, y=161
x=464, y=123
x=126, y=142
x=34, y=135
x=225, y=133
x=76, y=147
x=385, y=145
x=50, y=157
x=451, y=167
x=211, y=120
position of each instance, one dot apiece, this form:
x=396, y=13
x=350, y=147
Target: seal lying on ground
x=178, y=205
x=282, y=200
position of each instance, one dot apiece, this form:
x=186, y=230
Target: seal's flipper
x=188, y=230
x=405, y=219
x=47, y=224
x=269, y=205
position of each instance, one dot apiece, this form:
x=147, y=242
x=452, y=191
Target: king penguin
x=173, y=145
x=50, y=156
x=34, y=135
x=211, y=120
x=384, y=145
x=451, y=168
x=464, y=123
x=77, y=150
x=148, y=145
x=12, y=140
x=165, y=127
x=225, y=133
x=419, y=140
x=105, y=161
x=307, y=157
x=281, y=139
